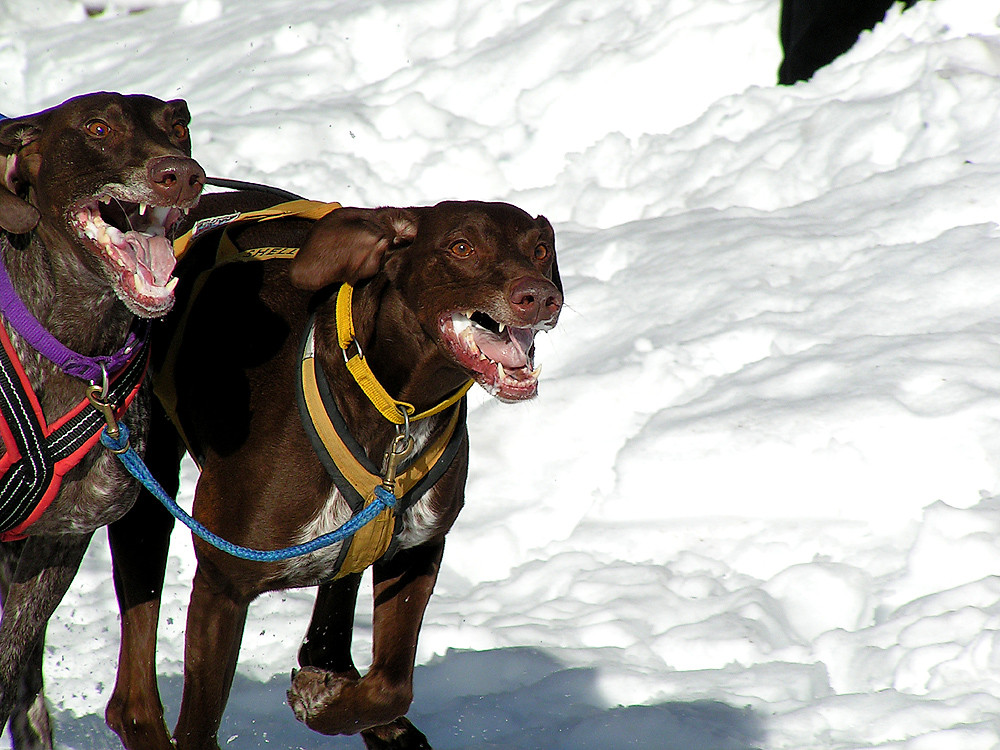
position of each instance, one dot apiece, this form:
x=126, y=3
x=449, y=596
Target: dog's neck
x=68, y=299
x=401, y=356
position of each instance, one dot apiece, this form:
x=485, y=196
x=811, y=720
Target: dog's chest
x=64, y=489
x=418, y=524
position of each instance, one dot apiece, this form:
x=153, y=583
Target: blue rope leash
x=130, y=459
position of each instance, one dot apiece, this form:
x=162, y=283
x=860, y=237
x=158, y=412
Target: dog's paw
x=313, y=690
x=398, y=735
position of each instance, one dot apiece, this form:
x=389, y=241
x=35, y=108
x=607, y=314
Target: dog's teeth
x=157, y=220
x=536, y=372
x=500, y=372
x=502, y=328
x=142, y=209
x=172, y=284
x=460, y=323
x=105, y=199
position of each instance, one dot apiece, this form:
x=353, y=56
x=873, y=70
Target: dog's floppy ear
x=349, y=244
x=16, y=215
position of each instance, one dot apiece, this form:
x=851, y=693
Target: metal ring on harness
x=98, y=397
x=357, y=345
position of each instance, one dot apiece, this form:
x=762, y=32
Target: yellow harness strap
x=225, y=251
x=388, y=407
x=298, y=209
x=371, y=541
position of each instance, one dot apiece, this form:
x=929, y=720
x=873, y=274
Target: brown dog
x=87, y=191
x=442, y=295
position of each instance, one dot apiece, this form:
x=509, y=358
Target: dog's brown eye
x=98, y=128
x=541, y=251
x=461, y=248
x=180, y=131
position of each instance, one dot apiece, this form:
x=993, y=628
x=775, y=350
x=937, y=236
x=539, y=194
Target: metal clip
x=96, y=395
x=400, y=448
x=359, y=355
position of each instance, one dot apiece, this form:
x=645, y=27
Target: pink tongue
x=510, y=350
x=154, y=255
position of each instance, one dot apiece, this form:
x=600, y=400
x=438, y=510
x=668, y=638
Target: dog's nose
x=177, y=178
x=535, y=301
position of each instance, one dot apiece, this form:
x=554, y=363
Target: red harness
x=39, y=455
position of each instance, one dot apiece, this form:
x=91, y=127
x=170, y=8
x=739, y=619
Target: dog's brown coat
x=49, y=163
x=262, y=484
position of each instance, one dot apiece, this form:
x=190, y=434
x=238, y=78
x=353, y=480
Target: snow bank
x=758, y=503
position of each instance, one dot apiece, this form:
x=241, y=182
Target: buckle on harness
x=399, y=449
x=98, y=397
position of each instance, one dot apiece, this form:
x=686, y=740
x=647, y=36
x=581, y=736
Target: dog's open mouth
x=132, y=241
x=500, y=358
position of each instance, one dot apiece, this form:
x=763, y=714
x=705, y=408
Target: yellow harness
x=407, y=477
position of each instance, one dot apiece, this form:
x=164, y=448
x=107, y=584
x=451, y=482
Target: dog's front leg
x=215, y=624
x=334, y=703
x=327, y=648
x=45, y=570
x=139, y=544
x=327, y=645
x=140, y=541
x=30, y=728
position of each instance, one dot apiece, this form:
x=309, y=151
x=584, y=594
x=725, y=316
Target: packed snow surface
x=757, y=501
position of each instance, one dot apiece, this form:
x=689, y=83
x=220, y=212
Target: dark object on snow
x=815, y=32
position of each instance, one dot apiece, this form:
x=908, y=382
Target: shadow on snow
x=516, y=699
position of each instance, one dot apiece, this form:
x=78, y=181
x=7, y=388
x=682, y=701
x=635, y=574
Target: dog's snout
x=178, y=178
x=535, y=300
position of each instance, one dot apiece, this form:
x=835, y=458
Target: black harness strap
x=37, y=456
x=354, y=498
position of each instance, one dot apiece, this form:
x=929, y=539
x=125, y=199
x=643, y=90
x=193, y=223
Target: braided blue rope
x=130, y=459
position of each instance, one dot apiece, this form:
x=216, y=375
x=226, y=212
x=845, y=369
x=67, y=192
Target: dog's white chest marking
x=419, y=523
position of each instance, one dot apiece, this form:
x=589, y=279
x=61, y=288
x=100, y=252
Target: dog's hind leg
x=29, y=719
x=140, y=541
x=45, y=569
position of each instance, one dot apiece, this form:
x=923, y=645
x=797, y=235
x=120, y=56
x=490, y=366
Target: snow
x=756, y=503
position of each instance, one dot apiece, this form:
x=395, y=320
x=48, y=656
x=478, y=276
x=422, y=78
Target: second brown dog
x=441, y=295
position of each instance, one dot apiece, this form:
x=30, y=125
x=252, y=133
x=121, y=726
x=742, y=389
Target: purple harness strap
x=90, y=369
